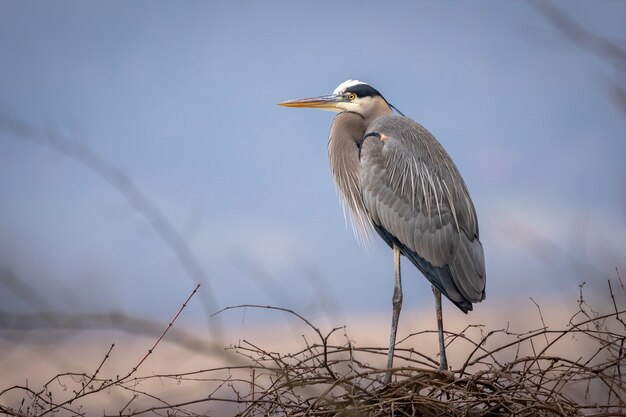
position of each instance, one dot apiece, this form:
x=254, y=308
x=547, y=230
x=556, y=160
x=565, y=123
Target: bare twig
x=169, y=326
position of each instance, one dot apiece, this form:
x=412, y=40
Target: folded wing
x=417, y=200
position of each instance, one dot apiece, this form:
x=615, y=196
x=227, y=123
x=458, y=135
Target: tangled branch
x=573, y=371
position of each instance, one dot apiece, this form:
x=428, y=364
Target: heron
x=396, y=179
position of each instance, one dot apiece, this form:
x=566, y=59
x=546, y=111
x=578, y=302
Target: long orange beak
x=324, y=102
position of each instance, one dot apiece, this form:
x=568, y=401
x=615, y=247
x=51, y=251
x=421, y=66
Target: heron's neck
x=343, y=153
x=346, y=131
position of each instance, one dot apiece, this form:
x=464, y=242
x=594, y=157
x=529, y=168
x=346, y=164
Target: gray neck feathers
x=346, y=131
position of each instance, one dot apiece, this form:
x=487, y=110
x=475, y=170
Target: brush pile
x=577, y=370
x=528, y=374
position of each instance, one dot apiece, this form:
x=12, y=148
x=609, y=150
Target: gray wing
x=417, y=199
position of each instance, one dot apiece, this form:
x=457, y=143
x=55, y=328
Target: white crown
x=341, y=88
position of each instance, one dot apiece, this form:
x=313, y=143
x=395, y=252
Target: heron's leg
x=443, y=360
x=397, y=305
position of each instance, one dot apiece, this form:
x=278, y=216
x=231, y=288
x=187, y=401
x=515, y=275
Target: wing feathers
x=417, y=199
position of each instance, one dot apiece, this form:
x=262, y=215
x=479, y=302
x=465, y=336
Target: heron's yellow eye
x=351, y=96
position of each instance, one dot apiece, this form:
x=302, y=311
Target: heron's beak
x=329, y=102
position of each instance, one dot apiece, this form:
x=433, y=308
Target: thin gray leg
x=397, y=306
x=443, y=360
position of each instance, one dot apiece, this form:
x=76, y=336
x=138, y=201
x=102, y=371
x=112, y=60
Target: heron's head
x=350, y=96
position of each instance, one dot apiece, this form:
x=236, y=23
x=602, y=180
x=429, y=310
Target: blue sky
x=181, y=97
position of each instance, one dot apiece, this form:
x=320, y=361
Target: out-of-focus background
x=142, y=151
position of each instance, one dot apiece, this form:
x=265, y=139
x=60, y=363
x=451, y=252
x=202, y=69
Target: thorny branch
x=42, y=400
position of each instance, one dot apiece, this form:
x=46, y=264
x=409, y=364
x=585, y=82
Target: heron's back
x=417, y=199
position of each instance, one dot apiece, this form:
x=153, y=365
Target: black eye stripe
x=363, y=90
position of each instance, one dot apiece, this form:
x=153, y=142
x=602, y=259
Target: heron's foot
x=388, y=375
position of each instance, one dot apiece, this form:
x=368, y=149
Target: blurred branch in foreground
x=17, y=325
x=133, y=195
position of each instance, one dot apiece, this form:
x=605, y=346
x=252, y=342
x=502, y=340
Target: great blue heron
x=396, y=178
